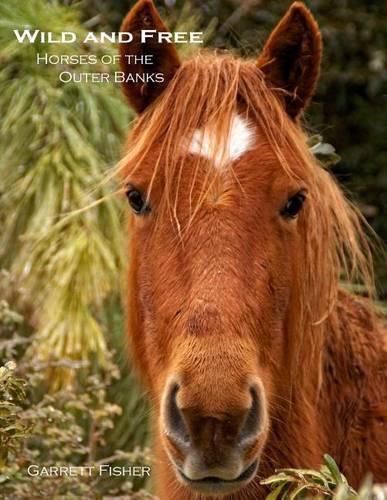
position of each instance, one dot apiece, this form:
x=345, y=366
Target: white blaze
x=240, y=140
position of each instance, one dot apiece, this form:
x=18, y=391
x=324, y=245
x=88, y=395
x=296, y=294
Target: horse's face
x=214, y=246
x=212, y=308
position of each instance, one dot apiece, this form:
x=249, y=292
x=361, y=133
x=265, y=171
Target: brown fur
x=223, y=289
x=291, y=58
x=166, y=61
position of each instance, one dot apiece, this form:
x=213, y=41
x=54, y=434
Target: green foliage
x=323, y=151
x=56, y=142
x=329, y=482
x=12, y=428
x=131, y=428
x=66, y=428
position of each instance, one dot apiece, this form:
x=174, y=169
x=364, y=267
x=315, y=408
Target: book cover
x=192, y=268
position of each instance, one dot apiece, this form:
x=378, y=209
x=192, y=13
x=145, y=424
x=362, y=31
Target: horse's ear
x=165, y=60
x=290, y=59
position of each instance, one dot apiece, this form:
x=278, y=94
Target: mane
x=206, y=91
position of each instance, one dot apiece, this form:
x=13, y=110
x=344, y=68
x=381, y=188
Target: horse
x=254, y=354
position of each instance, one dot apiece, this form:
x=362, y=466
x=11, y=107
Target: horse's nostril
x=175, y=425
x=253, y=423
x=192, y=428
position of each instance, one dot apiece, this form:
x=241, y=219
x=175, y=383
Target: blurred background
x=67, y=392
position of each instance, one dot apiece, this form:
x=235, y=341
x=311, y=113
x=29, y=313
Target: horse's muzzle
x=214, y=452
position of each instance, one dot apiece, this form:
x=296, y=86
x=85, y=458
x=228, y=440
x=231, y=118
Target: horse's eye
x=137, y=201
x=293, y=206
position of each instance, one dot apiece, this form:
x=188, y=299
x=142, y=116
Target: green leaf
x=277, y=478
x=333, y=469
x=297, y=491
x=365, y=490
x=323, y=151
x=273, y=495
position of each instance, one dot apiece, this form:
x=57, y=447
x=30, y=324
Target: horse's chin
x=214, y=486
